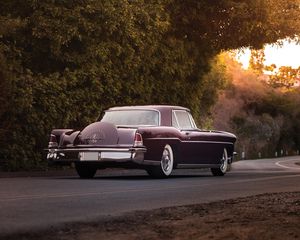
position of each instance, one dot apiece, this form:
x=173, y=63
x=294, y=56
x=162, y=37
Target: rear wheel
x=220, y=171
x=166, y=164
x=85, y=170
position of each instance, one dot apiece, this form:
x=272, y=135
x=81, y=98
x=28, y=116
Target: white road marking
x=281, y=164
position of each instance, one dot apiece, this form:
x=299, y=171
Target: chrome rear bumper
x=96, y=154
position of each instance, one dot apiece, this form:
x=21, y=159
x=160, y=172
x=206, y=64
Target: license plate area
x=115, y=155
x=89, y=156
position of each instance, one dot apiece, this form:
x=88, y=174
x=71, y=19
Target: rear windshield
x=132, y=117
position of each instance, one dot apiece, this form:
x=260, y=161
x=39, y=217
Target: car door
x=196, y=146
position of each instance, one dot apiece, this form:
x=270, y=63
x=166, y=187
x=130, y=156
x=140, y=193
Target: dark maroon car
x=155, y=138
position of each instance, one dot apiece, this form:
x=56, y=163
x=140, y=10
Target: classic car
x=156, y=138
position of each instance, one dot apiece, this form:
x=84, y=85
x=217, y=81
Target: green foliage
x=63, y=62
x=231, y=24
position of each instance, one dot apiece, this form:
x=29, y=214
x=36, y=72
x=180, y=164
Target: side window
x=174, y=120
x=183, y=119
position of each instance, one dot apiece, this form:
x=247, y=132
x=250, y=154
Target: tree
x=224, y=24
x=256, y=62
x=265, y=119
x=65, y=61
x=285, y=77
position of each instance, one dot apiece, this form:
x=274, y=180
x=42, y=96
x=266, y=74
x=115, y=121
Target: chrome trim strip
x=187, y=166
x=190, y=141
x=163, y=138
x=208, y=142
x=151, y=162
x=57, y=150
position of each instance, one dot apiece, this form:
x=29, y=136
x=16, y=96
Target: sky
x=286, y=55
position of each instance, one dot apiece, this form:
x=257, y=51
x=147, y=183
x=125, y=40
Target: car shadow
x=145, y=177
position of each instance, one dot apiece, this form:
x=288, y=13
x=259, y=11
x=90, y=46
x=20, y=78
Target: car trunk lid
x=107, y=134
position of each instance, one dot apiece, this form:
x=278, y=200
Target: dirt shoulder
x=268, y=216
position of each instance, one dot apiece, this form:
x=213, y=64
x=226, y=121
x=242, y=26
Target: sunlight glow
x=286, y=55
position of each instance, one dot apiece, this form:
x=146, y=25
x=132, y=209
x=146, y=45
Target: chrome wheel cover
x=224, y=161
x=167, y=160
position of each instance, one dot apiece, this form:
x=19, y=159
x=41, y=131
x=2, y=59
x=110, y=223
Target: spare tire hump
x=99, y=133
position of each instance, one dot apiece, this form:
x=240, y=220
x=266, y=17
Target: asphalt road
x=28, y=204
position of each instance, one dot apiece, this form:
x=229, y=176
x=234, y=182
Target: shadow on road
x=138, y=177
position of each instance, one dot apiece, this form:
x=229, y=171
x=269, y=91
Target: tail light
x=53, y=141
x=138, y=140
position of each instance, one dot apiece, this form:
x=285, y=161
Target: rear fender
x=156, y=138
x=68, y=138
x=57, y=134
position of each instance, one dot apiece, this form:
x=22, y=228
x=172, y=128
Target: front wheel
x=85, y=171
x=224, y=165
x=166, y=164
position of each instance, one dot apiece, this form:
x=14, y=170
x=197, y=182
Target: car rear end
x=100, y=143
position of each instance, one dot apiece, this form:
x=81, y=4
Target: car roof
x=148, y=107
